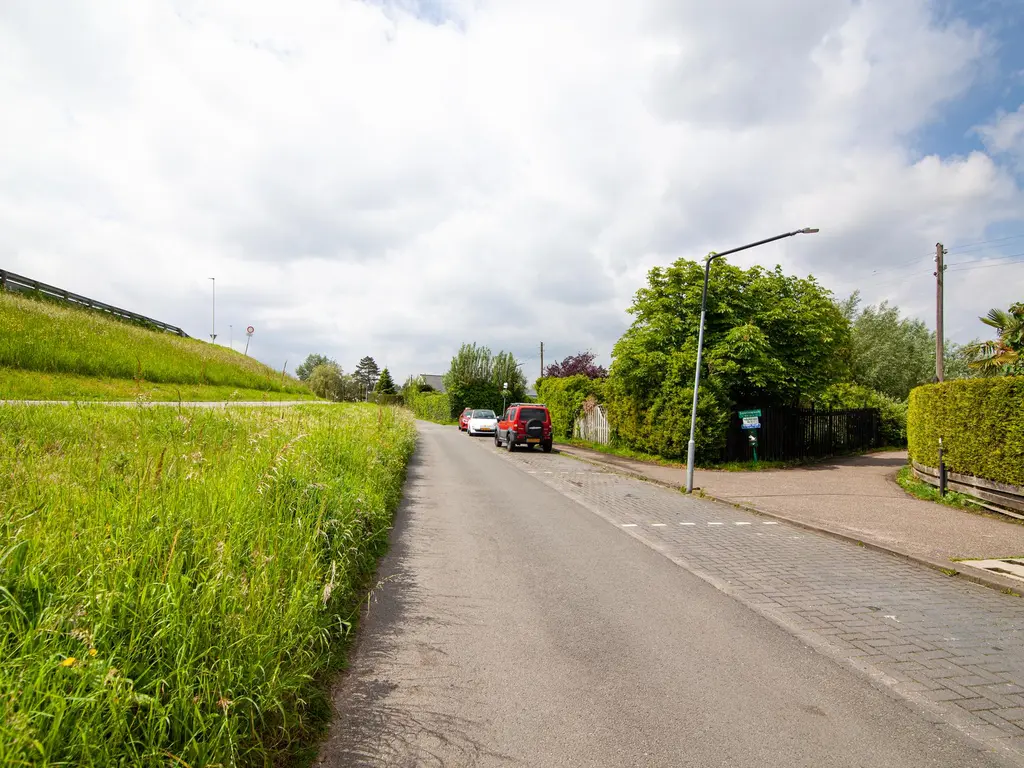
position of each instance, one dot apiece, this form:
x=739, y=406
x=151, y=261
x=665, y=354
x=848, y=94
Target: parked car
x=526, y=424
x=464, y=419
x=482, y=422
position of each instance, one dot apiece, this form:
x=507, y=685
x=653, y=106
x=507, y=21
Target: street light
x=213, y=312
x=691, y=446
x=504, y=394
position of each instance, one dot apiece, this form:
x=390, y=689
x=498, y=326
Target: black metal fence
x=798, y=433
x=9, y=281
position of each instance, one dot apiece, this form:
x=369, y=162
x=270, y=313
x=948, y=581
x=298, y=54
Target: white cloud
x=396, y=178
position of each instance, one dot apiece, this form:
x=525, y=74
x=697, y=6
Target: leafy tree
x=505, y=369
x=580, y=364
x=475, y=379
x=769, y=339
x=367, y=372
x=1002, y=355
x=385, y=384
x=326, y=381
x=891, y=354
x=312, y=361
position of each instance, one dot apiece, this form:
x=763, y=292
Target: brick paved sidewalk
x=952, y=649
x=855, y=497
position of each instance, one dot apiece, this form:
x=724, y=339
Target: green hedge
x=980, y=421
x=564, y=399
x=430, y=406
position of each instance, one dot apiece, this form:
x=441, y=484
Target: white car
x=482, y=422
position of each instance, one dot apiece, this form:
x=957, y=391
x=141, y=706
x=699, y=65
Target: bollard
x=942, y=472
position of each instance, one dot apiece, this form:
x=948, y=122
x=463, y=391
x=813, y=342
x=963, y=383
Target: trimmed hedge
x=981, y=422
x=564, y=399
x=430, y=406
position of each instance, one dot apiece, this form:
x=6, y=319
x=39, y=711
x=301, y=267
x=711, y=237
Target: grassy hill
x=50, y=351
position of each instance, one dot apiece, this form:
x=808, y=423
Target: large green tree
x=312, y=361
x=475, y=379
x=367, y=372
x=770, y=338
x=890, y=354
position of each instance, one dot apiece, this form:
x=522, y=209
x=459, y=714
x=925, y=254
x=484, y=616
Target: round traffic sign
x=250, y=330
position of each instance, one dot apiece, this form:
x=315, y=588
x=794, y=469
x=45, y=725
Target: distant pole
x=231, y=336
x=940, y=267
x=213, y=311
x=542, y=359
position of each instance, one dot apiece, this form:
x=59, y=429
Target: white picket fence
x=593, y=426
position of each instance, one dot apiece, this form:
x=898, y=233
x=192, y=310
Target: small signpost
x=248, y=335
x=751, y=420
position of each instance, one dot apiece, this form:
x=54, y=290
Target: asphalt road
x=513, y=626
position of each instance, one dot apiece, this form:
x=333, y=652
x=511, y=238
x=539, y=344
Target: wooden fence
x=9, y=281
x=592, y=426
x=798, y=433
x=1002, y=494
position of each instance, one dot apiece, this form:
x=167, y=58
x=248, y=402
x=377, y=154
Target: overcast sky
x=395, y=178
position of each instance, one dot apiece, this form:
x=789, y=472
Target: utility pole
x=213, y=311
x=542, y=359
x=939, y=269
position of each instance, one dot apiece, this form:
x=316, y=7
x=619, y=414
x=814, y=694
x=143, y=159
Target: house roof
x=433, y=380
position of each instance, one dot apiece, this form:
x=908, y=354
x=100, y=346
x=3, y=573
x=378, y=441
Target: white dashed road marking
x=742, y=523
x=771, y=523
x=716, y=523
x=658, y=525
x=687, y=523
x=629, y=525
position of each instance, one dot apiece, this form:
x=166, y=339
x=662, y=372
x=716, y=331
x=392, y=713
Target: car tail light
x=520, y=428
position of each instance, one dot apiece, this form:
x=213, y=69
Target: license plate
x=486, y=429
x=533, y=439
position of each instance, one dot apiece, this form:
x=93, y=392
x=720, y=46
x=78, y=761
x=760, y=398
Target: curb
x=992, y=581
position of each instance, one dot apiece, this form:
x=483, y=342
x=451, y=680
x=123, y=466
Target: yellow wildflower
x=70, y=661
x=92, y=651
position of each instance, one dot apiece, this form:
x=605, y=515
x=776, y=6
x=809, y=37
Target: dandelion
x=70, y=661
x=92, y=651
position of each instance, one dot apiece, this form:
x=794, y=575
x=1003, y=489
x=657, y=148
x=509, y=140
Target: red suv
x=464, y=419
x=526, y=424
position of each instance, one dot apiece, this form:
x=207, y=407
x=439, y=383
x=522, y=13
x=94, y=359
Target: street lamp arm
x=804, y=231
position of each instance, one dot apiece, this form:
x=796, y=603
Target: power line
x=990, y=258
x=984, y=242
x=987, y=266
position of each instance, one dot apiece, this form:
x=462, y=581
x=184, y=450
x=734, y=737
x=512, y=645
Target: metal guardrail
x=9, y=281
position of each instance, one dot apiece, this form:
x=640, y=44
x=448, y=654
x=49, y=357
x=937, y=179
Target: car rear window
x=529, y=414
x=483, y=414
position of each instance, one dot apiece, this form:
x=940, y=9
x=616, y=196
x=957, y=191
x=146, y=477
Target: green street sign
x=755, y=414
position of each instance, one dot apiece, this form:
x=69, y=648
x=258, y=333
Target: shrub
x=892, y=413
x=564, y=398
x=980, y=421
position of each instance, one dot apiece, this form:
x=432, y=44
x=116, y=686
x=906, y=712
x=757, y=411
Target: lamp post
x=691, y=446
x=504, y=394
x=213, y=311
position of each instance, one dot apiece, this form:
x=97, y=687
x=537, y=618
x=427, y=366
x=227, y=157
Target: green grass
x=31, y=385
x=175, y=583
x=922, y=490
x=54, y=339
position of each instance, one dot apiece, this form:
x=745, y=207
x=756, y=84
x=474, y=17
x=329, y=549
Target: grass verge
x=32, y=385
x=51, y=338
x=927, y=492
x=174, y=582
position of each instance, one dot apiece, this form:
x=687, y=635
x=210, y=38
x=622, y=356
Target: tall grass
x=50, y=338
x=173, y=581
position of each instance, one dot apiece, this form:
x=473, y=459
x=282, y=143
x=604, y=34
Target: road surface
x=537, y=611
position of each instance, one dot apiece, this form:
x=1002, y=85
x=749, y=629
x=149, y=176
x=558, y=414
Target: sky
x=396, y=177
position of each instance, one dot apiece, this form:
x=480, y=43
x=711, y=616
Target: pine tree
x=367, y=372
x=385, y=384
